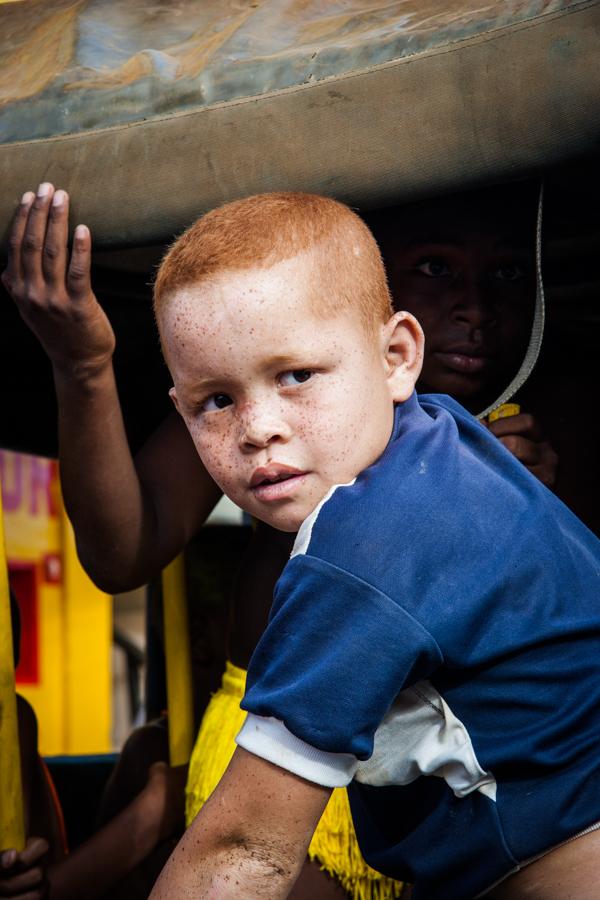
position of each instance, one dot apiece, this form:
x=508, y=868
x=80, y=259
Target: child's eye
x=510, y=272
x=295, y=377
x=216, y=402
x=434, y=268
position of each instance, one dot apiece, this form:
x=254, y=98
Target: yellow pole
x=12, y=829
x=87, y=638
x=179, y=663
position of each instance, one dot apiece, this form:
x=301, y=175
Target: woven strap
x=537, y=328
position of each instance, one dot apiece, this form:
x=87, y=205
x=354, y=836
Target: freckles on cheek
x=217, y=456
x=205, y=448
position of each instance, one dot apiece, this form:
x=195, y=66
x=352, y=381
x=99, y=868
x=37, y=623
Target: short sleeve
x=333, y=658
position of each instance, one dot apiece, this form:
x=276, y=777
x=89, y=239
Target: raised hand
x=522, y=435
x=54, y=294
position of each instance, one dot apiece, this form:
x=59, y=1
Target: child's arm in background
x=251, y=837
x=131, y=517
x=108, y=856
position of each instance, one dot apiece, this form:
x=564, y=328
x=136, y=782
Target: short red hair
x=265, y=229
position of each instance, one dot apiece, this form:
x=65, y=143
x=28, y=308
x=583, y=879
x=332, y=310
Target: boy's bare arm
x=572, y=870
x=130, y=517
x=251, y=837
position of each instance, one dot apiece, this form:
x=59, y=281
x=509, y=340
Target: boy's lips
x=275, y=481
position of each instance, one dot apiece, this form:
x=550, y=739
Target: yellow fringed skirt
x=334, y=843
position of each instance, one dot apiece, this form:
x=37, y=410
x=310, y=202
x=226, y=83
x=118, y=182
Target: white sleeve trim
x=305, y=533
x=271, y=740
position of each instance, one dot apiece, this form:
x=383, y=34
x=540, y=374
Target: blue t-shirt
x=434, y=642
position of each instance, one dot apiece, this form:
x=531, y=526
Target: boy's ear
x=173, y=396
x=403, y=345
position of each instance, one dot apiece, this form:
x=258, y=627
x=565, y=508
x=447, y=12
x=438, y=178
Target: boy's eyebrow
x=200, y=385
x=283, y=360
x=280, y=361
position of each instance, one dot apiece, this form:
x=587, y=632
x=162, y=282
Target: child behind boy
x=437, y=616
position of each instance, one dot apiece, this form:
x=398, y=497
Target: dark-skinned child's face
x=470, y=281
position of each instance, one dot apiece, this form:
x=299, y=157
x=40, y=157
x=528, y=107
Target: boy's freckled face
x=280, y=402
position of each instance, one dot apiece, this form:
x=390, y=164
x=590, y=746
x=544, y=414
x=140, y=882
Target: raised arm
x=251, y=837
x=130, y=516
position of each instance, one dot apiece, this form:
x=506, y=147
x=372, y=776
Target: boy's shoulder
x=438, y=457
x=403, y=499
x=444, y=498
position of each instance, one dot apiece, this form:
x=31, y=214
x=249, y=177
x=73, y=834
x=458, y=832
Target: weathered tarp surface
x=150, y=113
x=84, y=65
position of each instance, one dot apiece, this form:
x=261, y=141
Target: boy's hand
x=522, y=435
x=54, y=296
x=21, y=875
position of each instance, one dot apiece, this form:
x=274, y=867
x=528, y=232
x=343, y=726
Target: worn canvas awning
x=150, y=113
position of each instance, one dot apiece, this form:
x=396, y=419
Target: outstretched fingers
x=54, y=254
x=78, y=276
x=34, y=237
x=54, y=294
x=12, y=277
x=37, y=271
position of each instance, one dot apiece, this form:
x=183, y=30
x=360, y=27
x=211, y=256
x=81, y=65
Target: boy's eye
x=216, y=402
x=510, y=272
x=434, y=268
x=296, y=376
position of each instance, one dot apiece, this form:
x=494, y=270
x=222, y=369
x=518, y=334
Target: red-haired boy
x=433, y=641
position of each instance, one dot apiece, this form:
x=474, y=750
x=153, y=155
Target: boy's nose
x=262, y=426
